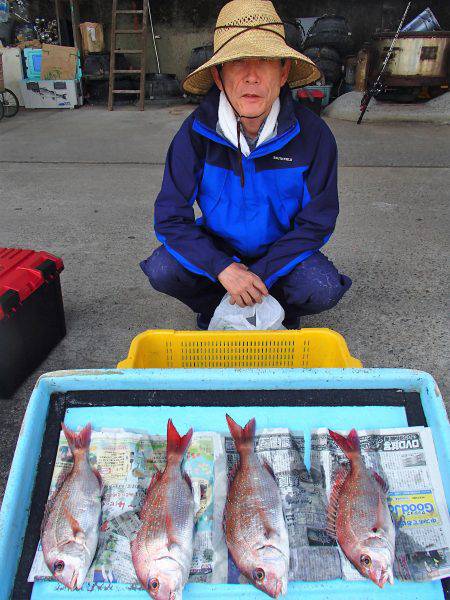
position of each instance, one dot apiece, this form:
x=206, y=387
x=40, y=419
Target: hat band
x=244, y=30
x=239, y=118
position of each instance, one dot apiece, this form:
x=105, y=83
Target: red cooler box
x=31, y=313
x=312, y=99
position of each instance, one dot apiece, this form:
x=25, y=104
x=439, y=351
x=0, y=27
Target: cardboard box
x=29, y=44
x=92, y=37
x=58, y=62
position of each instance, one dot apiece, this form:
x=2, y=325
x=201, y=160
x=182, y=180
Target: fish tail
x=78, y=440
x=349, y=445
x=177, y=444
x=243, y=437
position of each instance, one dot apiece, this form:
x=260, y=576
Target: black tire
x=342, y=43
x=325, y=52
x=329, y=23
x=2, y=110
x=293, y=36
x=10, y=103
x=406, y=94
x=436, y=90
x=98, y=65
x=199, y=56
x=331, y=70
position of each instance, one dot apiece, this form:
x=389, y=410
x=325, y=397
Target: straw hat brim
x=254, y=44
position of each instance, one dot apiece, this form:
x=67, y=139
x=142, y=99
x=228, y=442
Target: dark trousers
x=311, y=287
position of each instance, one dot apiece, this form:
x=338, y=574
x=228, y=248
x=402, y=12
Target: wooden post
x=75, y=15
x=58, y=17
x=143, y=55
x=112, y=60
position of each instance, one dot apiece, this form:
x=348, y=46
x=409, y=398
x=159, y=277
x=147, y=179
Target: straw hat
x=250, y=29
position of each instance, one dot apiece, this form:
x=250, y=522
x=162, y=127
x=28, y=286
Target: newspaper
x=313, y=554
x=127, y=461
x=404, y=457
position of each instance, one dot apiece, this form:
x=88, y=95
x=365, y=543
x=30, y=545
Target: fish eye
x=58, y=566
x=154, y=585
x=258, y=574
x=365, y=560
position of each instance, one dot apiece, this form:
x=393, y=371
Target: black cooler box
x=31, y=313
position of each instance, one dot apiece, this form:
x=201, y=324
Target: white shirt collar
x=228, y=124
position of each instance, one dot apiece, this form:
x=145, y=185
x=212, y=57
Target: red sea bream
x=254, y=523
x=69, y=531
x=359, y=516
x=162, y=549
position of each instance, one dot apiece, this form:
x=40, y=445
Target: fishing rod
x=378, y=86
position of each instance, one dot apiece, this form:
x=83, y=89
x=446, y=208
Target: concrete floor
x=348, y=105
x=81, y=184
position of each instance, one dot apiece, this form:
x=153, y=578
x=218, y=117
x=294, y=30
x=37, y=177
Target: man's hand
x=244, y=287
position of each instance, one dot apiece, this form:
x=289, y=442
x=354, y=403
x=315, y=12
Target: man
x=263, y=171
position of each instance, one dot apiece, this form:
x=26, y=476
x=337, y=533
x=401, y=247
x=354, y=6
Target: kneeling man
x=262, y=169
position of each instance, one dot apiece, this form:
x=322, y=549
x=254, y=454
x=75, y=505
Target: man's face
x=252, y=84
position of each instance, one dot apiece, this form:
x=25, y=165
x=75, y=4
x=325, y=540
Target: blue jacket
x=285, y=212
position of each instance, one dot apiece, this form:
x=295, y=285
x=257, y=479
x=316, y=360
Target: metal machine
x=418, y=58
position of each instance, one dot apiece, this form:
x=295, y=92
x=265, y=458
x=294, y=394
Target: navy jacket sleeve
x=316, y=220
x=174, y=214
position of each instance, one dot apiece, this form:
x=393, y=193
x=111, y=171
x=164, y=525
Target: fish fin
x=331, y=531
x=224, y=520
x=339, y=478
x=99, y=479
x=177, y=444
x=75, y=526
x=269, y=469
x=80, y=440
x=65, y=542
x=349, y=445
x=380, y=514
x=104, y=526
x=47, y=510
x=232, y=474
x=269, y=531
x=381, y=482
x=172, y=546
x=60, y=481
x=271, y=534
x=379, y=520
x=171, y=534
x=396, y=521
x=188, y=481
x=243, y=437
x=145, y=507
x=155, y=478
x=52, y=499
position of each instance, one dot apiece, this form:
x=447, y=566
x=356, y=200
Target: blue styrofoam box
x=17, y=499
x=33, y=61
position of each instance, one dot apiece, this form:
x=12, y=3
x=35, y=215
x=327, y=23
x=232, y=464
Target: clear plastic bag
x=267, y=315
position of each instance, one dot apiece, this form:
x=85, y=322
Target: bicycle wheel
x=10, y=103
x=2, y=110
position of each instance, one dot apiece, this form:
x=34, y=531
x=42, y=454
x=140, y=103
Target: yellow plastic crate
x=304, y=348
